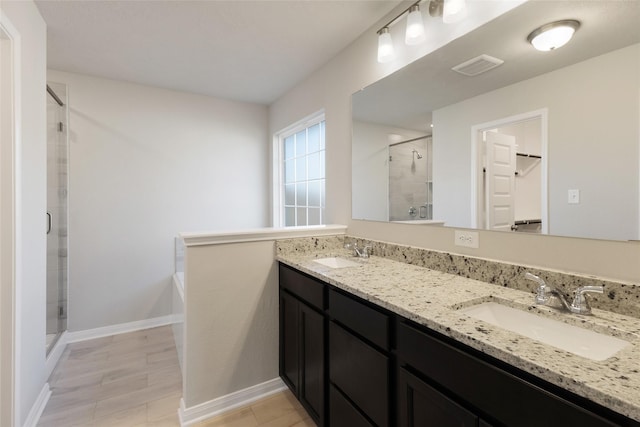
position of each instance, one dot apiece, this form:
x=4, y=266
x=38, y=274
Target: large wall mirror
x=546, y=142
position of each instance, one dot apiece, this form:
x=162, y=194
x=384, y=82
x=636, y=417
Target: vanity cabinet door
x=289, y=341
x=312, y=361
x=302, y=355
x=420, y=405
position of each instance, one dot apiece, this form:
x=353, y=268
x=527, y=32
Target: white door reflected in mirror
x=511, y=177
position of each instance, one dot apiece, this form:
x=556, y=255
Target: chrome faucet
x=363, y=252
x=579, y=305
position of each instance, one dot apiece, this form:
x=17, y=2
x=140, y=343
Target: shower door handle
x=48, y=223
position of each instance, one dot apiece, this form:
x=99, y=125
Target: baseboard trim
x=220, y=405
x=56, y=352
x=121, y=328
x=38, y=407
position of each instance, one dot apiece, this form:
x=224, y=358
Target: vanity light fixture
x=454, y=11
x=553, y=35
x=385, y=46
x=450, y=10
x=415, y=26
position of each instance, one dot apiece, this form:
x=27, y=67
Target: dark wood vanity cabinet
x=354, y=364
x=467, y=389
x=334, y=353
x=302, y=340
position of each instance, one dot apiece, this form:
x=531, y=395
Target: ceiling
x=251, y=51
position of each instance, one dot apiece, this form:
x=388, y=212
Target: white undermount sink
x=336, y=262
x=580, y=341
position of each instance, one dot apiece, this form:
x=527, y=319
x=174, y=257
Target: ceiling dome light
x=385, y=46
x=553, y=35
x=415, y=26
x=454, y=11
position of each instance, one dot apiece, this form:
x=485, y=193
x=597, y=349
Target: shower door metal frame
x=62, y=283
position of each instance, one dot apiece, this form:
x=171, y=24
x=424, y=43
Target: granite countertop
x=431, y=298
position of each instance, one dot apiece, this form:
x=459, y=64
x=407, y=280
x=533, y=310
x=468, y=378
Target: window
x=301, y=159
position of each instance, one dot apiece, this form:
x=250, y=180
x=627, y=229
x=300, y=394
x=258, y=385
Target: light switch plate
x=573, y=197
x=468, y=239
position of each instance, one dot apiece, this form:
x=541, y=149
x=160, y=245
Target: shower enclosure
x=410, y=180
x=56, y=215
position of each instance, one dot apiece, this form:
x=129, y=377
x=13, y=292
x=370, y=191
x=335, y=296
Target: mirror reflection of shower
x=410, y=180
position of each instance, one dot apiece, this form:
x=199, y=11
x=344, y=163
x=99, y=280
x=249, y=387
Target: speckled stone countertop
x=431, y=298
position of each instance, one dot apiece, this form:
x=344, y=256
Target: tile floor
x=134, y=379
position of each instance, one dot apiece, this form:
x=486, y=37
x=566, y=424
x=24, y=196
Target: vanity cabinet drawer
x=502, y=396
x=302, y=286
x=360, y=372
x=365, y=321
x=343, y=413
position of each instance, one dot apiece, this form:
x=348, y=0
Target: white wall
x=331, y=87
x=7, y=218
x=594, y=149
x=145, y=164
x=31, y=202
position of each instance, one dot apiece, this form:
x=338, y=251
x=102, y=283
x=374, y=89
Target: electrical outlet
x=573, y=197
x=468, y=239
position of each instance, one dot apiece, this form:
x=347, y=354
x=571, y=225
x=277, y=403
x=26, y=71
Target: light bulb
x=554, y=35
x=415, y=26
x=454, y=11
x=385, y=46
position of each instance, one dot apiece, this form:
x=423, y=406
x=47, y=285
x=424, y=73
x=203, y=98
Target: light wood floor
x=134, y=380
x=279, y=410
x=129, y=379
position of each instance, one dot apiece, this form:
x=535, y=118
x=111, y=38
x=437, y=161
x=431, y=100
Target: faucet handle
x=580, y=305
x=366, y=251
x=542, y=296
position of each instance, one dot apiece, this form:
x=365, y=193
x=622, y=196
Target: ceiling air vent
x=478, y=65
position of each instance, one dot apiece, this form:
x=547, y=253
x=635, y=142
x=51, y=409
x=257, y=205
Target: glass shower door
x=56, y=216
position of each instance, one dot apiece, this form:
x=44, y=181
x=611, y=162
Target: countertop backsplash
x=618, y=297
